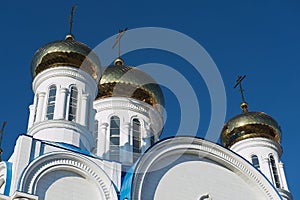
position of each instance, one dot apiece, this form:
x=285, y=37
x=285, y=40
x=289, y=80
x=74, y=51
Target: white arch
x=170, y=153
x=69, y=162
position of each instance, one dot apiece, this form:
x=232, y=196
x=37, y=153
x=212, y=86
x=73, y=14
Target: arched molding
x=70, y=162
x=200, y=148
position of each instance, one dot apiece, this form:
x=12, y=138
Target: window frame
x=114, y=137
x=274, y=171
x=255, y=161
x=136, y=138
x=51, y=100
x=72, y=104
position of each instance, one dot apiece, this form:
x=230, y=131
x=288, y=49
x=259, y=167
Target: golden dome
x=250, y=125
x=68, y=52
x=125, y=81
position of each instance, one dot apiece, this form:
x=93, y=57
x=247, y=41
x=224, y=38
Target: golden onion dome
x=119, y=80
x=68, y=52
x=250, y=125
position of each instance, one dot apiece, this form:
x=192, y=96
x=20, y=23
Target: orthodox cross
x=239, y=83
x=244, y=105
x=71, y=18
x=118, y=40
x=1, y=135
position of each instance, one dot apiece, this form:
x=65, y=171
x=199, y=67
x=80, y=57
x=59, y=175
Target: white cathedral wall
x=28, y=149
x=19, y=159
x=201, y=179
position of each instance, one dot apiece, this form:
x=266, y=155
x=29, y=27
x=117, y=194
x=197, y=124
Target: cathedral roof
x=68, y=52
x=250, y=125
x=119, y=80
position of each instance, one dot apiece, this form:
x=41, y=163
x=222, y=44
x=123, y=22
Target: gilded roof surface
x=250, y=124
x=67, y=52
x=120, y=80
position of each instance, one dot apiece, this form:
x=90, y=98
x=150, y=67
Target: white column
x=147, y=138
x=282, y=176
x=102, y=139
x=40, y=106
x=91, y=122
x=31, y=116
x=84, y=111
x=127, y=148
x=60, y=104
x=266, y=170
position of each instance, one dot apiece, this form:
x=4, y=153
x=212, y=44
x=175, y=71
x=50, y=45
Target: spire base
x=244, y=107
x=119, y=62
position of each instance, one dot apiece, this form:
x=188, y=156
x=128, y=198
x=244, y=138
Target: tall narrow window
x=274, y=171
x=114, y=138
x=136, y=130
x=51, y=102
x=255, y=161
x=73, y=104
x=36, y=107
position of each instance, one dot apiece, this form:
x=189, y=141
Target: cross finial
x=71, y=19
x=244, y=105
x=1, y=135
x=118, y=41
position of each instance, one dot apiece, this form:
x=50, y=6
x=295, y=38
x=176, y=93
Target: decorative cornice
x=125, y=103
x=257, y=142
x=64, y=71
x=60, y=123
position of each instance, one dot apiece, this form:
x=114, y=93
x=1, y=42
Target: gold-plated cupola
x=249, y=125
x=67, y=53
x=119, y=80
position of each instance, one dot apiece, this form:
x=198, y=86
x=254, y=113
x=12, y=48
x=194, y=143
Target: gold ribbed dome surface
x=68, y=52
x=126, y=81
x=250, y=125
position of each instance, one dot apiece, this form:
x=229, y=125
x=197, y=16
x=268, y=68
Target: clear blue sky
x=256, y=38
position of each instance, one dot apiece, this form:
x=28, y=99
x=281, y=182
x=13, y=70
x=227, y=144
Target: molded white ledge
x=62, y=131
x=65, y=71
x=257, y=142
x=125, y=103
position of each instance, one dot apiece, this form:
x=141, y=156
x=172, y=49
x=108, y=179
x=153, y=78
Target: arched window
x=274, y=171
x=51, y=102
x=73, y=103
x=136, y=132
x=255, y=161
x=114, y=138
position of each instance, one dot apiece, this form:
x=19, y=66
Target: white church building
x=93, y=133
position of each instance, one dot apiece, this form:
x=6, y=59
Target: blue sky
x=256, y=38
